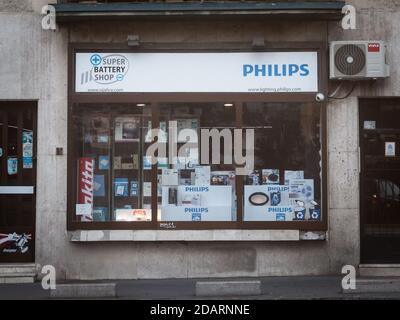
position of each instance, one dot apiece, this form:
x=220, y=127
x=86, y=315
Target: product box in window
x=191, y=199
x=253, y=179
x=117, y=163
x=159, y=185
x=147, y=189
x=270, y=176
x=121, y=186
x=162, y=162
x=293, y=175
x=197, y=203
x=97, y=131
x=135, y=159
x=134, y=192
x=126, y=162
x=172, y=196
x=185, y=181
x=170, y=177
x=146, y=163
x=104, y=162
x=301, y=190
x=127, y=165
x=223, y=178
x=100, y=214
x=202, y=175
x=99, y=189
x=127, y=129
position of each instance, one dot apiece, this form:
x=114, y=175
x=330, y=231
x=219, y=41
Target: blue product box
x=134, y=188
x=100, y=214
x=121, y=186
x=104, y=162
x=99, y=189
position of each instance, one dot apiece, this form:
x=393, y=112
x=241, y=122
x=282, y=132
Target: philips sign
x=196, y=210
x=197, y=72
x=275, y=70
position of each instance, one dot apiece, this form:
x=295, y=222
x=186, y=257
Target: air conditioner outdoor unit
x=358, y=60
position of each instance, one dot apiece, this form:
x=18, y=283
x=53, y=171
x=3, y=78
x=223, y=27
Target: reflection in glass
x=111, y=182
x=287, y=162
x=192, y=189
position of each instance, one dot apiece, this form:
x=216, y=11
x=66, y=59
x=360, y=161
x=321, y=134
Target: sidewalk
x=272, y=288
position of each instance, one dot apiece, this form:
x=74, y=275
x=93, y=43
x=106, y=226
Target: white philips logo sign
x=270, y=72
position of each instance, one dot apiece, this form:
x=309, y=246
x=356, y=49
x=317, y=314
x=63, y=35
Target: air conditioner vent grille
x=350, y=59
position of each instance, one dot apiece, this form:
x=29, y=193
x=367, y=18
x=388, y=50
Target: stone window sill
x=193, y=235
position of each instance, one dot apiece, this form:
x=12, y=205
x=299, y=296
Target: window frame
x=154, y=99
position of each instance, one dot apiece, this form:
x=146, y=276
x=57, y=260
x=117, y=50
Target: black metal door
x=17, y=181
x=380, y=180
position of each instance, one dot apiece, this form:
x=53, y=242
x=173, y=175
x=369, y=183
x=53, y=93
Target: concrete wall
x=376, y=20
x=34, y=66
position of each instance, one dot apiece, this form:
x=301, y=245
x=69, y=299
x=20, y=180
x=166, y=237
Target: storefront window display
x=117, y=179
x=286, y=182
x=111, y=181
x=193, y=188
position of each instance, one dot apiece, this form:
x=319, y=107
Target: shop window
x=192, y=187
x=118, y=175
x=111, y=181
x=286, y=182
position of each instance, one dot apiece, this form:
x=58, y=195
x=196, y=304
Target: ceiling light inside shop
x=228, y=104
x=140, y=105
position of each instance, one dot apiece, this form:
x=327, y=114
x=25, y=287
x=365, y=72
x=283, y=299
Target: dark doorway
x=380, y=180
x=17, y=180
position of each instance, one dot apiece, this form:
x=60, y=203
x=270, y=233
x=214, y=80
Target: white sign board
x=251, y=72
x=390, y=149
x=198, y=203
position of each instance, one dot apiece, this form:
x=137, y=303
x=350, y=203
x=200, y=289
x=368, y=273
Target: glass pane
x=110, y=180
x=193, y=186
x=380, y=113
x=286, y=182
x=13, y=157
x=27, y=148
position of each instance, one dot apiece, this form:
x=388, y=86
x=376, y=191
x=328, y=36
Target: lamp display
x=258, y=199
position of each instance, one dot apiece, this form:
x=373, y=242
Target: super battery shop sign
x=274, y=72
x=106, y=70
